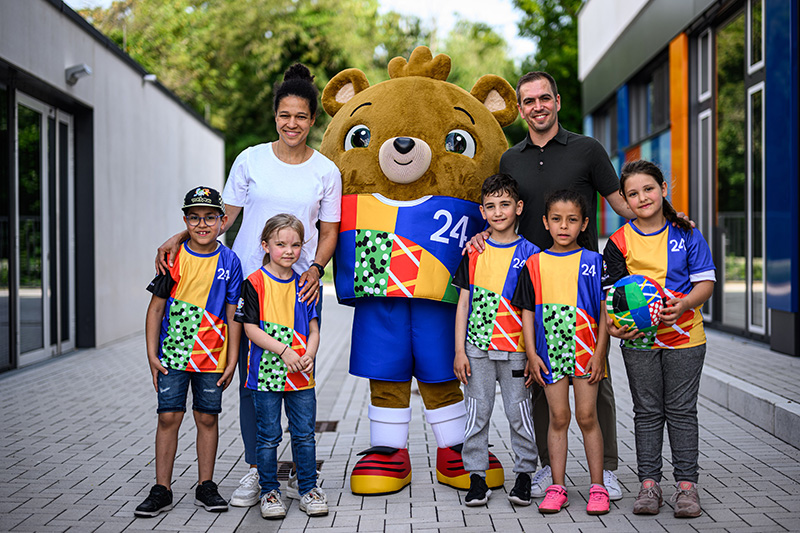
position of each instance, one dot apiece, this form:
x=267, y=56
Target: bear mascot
x=413, y=152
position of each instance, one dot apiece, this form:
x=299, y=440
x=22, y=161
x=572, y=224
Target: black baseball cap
x=203, y=197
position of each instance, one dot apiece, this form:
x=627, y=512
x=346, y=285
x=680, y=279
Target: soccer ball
x=635, y=301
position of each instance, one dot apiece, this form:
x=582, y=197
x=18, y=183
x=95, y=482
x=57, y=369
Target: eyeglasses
x=194, y=220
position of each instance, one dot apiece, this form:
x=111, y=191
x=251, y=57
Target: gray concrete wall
x=148, y=151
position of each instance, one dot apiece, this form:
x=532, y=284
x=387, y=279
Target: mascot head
x=415, y=134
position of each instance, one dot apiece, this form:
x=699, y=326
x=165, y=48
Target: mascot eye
x=460, y=142
x=357, y=137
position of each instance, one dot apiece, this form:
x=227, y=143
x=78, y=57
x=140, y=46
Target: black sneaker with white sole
x=207, y=497
x=158, y=501
x=521, y=493
x=478, y=493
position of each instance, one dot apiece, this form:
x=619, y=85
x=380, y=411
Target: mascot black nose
x=403, y=144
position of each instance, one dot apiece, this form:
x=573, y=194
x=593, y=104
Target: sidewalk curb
x=771, y=412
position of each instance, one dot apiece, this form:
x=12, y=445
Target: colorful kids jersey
x=673, y=257
x=402, y=249
x=274, y=305
x=565, y=294
x=197, y=288
x=491, y=277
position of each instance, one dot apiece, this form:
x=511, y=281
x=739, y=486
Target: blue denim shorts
x=172, y=390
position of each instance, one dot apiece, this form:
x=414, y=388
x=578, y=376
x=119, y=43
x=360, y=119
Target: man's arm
x=619, y=205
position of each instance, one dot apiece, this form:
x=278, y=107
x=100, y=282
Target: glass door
x=43, y=242
x=739, y=230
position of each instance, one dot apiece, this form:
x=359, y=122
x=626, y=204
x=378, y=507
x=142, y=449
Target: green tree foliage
x=553, y=26
x=223, y=57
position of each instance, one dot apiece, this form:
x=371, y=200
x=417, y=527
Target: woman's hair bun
x=298, y=71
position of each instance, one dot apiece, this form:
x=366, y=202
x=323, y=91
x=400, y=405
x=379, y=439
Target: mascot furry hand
x=413, y=152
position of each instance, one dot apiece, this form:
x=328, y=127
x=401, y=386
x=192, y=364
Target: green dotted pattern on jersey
x=184, y=322
x=373, y=254
x=648, y=342
x=481, y=318
x=559, y=326
x=272, y=370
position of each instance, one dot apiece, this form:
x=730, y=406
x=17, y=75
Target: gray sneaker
x=314, y=502
x=293, y=487
x=687, y=500
x=272, y=506
x=246, y=494
x=650, y=498
x=540, y=481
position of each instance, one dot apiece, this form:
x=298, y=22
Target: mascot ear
x=342, y=88
x=498, y=96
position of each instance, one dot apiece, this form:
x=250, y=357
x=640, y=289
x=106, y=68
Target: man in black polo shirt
x=548, y=159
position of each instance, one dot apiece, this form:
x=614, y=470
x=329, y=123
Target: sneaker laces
x=540, y=475
x=315, y=494
x=650, y=492
x=609, y=478
x=250, y=478
x=689, y=493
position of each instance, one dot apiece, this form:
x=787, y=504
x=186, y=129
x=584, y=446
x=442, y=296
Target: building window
x=755, y=35
x=649, y=99
x=704, y=66
x=605, y=126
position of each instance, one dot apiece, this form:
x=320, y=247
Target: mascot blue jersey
x=402, y=249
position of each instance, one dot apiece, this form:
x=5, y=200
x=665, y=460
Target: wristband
x=284, y=349
x=320, y=268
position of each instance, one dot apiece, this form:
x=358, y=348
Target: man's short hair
x=497, y=184
x=534, y=76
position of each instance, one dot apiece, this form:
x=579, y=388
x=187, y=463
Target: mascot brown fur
x=413, y=152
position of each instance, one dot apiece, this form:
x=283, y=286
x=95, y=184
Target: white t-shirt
x=265, y=186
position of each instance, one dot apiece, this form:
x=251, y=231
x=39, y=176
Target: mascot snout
x=404, y=159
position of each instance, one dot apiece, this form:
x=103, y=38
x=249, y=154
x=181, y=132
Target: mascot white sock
x=448, y=424
x=389, y=427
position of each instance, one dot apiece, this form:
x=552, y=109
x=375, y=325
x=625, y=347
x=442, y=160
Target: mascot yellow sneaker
x=413, y=152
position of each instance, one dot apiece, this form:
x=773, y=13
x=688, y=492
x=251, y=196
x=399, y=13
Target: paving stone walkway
x=76, y=454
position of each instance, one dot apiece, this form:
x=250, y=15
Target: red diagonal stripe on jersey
x=403, y=267
x=507, y=330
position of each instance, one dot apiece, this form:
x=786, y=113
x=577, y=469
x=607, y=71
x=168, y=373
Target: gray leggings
x=664, y=386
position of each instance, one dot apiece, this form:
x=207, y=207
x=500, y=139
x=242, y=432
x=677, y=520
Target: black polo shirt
x=567, y=161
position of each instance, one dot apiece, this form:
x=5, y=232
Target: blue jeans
x=247, y=413
x=174, y=387
x=664, y=387
x=301, y=410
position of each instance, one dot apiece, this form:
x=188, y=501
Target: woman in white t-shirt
x=284, y=176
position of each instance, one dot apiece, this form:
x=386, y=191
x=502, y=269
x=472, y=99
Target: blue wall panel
x=781, y=181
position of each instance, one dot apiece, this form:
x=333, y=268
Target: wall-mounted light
x=150, y=78
x=76, y=72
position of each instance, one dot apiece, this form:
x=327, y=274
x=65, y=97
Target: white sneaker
x=540, y=481
x=314, y=502
x=246, y=494
x=612, y=485
x=272, y=506
x=293, y=488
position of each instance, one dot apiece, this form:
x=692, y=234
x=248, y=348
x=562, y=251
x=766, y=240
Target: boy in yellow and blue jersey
x=192, y=338
x=489, y=345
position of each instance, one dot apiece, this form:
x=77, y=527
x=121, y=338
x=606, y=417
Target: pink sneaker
x=555, y=499
x=598, y=500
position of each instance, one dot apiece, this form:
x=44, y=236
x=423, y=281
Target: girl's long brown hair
x=642, y=166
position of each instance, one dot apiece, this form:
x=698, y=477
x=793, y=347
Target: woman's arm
x=309, y=281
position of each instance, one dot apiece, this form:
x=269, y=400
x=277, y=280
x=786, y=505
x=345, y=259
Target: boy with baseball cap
x=192, y=338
